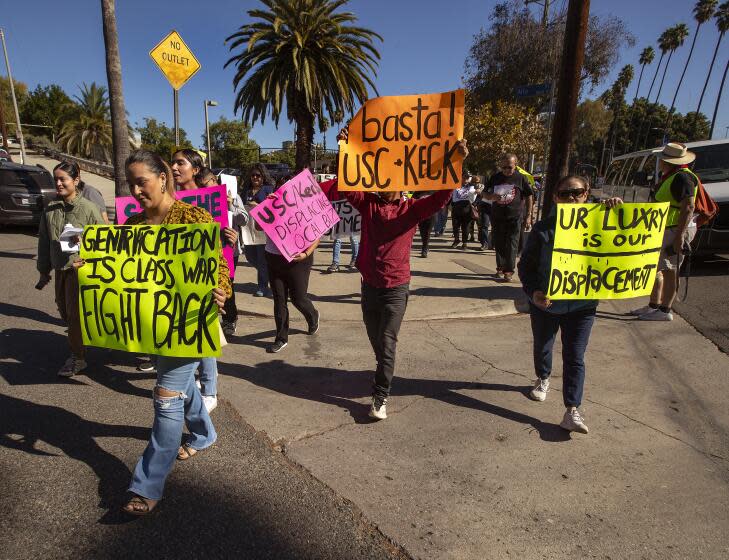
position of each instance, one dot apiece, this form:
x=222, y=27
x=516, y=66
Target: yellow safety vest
x=664, y=194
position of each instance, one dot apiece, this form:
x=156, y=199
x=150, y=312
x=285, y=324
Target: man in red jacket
x=389, y=221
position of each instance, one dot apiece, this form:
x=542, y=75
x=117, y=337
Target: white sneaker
x=657, y=315
x=539, y=391
x=72, y=366
x=211, y=401
x=573, y=421
x=378, y=410
x=642, y=310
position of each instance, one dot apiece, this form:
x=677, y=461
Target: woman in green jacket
x=73, y=209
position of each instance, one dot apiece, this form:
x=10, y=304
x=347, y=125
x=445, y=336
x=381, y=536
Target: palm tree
x=617, y=100
x=663, y=44
x=647, y=56
x=722, y=22
x=119, y=125
x=304, y=54
x=89, y=133
x=676, y=38
x=703, y=11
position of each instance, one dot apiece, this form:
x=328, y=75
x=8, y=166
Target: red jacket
x=388, y=229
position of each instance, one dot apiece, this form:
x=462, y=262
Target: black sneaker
x=455, y=244
x=333, y=268
x=276, y=347
x=229, y=328
x=424, y=254
x=313, y=329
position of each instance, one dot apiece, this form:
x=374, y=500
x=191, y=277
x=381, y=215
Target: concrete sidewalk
x=466, y=466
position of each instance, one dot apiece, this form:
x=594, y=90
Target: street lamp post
x=19, y=131
x=209, y=103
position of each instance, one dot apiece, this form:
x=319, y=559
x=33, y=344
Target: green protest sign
x=148, y=289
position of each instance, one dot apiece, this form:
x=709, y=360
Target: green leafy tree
x=47, y=106
x=592, y=124
x=88, y=133
x=6, y=101
x=160, y=138
x=306, y=54
x=516, y=49
x=231, y=143
x=501, y=126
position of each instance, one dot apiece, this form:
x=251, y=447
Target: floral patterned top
x=183, y=213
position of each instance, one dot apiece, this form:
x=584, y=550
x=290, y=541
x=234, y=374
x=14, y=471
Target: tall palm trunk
x=304, y=136
x=680, y=81
x=706, y=82
x=648, y=97
x=718, y=100
x=663, y=78
x=119, y=130
x=640, y=79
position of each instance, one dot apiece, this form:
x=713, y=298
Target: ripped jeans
x=173, y=374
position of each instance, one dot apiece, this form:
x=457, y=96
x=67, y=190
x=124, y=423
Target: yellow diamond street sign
x=176, y=61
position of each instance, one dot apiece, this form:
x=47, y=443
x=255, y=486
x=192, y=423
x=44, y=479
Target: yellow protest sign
x=175, y=59
x=404, y=143
x=148, y=289
x=606, y=253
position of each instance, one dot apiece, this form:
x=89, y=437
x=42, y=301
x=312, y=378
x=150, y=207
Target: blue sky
x=423, y=51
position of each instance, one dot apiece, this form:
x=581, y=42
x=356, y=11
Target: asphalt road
x=706, y=306
x=67, y=448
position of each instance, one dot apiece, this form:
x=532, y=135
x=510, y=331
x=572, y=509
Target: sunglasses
x=507, y=167
x=256, y=175
x=570, y=193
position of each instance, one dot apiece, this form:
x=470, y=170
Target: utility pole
x=15, y=100
x=209, y=103
x=573, y=55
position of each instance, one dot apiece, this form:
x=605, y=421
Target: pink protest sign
x=298, y=216
x=213, y=199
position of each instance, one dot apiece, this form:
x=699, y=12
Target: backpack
x=705, y=207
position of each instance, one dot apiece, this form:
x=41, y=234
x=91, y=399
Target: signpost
x=176, y=61
x=533, y=90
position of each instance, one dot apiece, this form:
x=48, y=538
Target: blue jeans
x=209, y=376
x=256, y=255
x=441, y=219
x=173, y=374
x=576, y=329
x=483, y=234
x=337, y=250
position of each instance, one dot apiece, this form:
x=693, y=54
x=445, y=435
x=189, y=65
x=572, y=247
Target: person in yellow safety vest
x=529, y=176
x=678, y=187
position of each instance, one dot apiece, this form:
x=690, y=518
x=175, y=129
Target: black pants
x=290, y=279
x=505, y=235
x=462, y=219
x=230, y=308
x=426, y=227
x=383, y=310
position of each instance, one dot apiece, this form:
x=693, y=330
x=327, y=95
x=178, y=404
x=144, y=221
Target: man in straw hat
x=678, y=187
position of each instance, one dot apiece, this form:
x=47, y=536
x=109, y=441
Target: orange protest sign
x=404, y=143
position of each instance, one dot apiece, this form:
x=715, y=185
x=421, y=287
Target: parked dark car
x=24, y=191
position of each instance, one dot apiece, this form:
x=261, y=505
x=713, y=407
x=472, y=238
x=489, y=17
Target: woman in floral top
x=177, y=399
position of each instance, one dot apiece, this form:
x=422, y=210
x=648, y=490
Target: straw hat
x=676, y=154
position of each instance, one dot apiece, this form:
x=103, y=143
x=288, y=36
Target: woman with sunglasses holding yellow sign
x=573, y=317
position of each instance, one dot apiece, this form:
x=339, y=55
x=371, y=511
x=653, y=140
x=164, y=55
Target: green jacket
x=79, y=213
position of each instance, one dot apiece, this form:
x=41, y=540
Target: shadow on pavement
x=33, y=358
x=341, y=388
x=24, y=423
x=10, y=310
x=16, y=255
x=508, y=292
